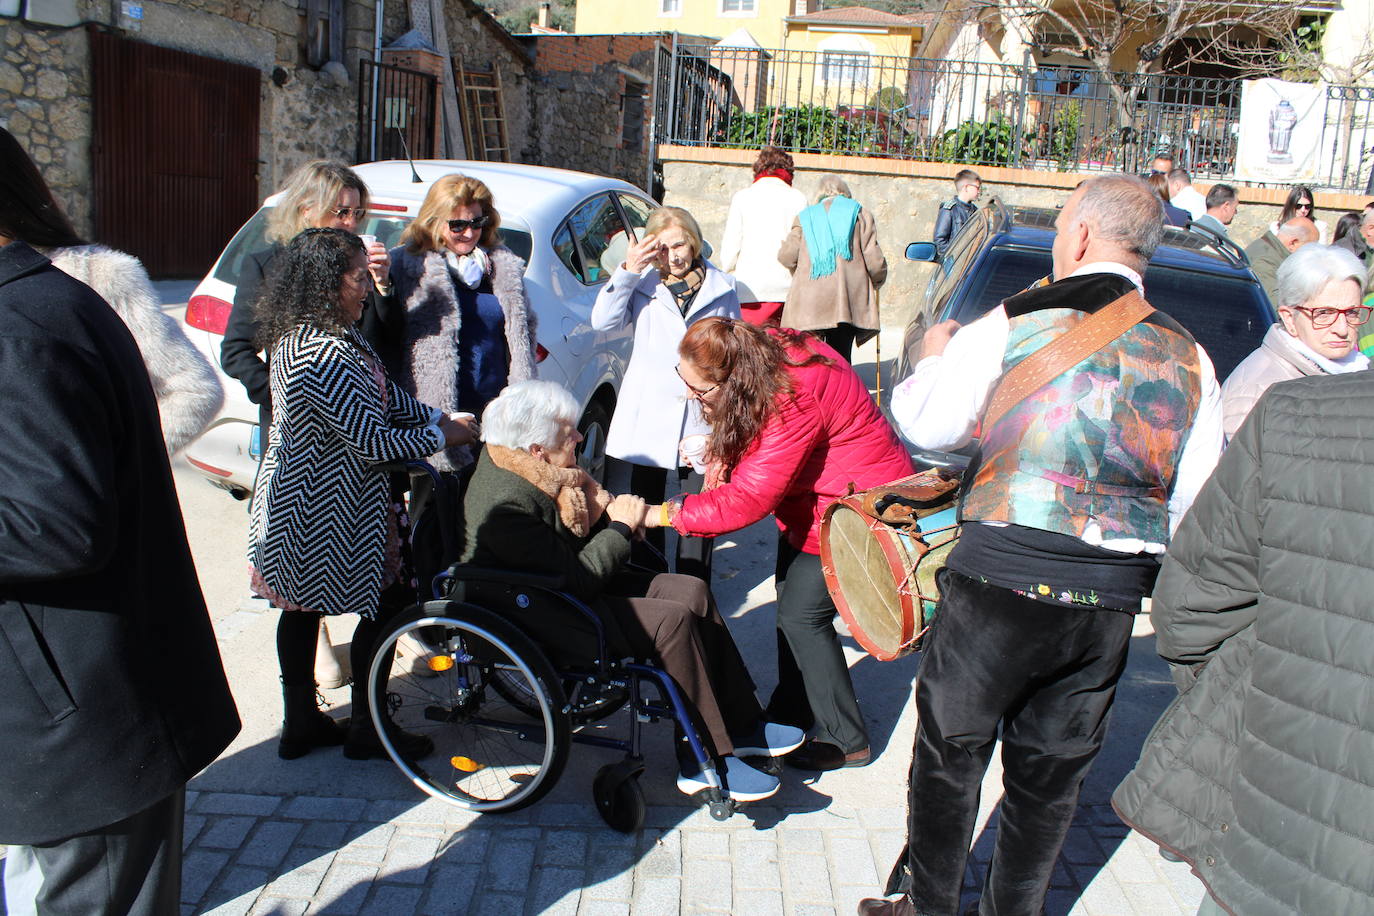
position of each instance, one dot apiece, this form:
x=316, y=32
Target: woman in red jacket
x=792, y=426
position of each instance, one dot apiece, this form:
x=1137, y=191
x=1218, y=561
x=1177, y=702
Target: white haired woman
x=837, y=268
x=530, y=507
x=663, y=287
x=1320, y=313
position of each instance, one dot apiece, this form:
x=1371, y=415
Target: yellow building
x=763, y=19
x=846, y=55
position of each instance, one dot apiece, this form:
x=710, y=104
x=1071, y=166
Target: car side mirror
x=920, y=251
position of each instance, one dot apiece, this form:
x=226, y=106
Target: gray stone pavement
x=327, y=835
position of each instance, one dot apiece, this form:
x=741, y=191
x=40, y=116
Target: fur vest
x=188, y=392
x=429, y=352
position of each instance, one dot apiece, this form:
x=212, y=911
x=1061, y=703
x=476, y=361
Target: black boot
x=304, y=726
x=362, y=742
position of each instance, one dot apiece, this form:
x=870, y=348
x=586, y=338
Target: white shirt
x=1189, y=199
x=939, y=407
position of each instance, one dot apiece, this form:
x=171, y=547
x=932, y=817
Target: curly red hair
x=749, y=364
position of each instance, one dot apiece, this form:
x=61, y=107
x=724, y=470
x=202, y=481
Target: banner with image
x=1280, y=131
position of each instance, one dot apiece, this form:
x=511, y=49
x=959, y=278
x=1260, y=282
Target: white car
x=571, y=228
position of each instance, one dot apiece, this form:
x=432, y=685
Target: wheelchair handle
x=412, y=466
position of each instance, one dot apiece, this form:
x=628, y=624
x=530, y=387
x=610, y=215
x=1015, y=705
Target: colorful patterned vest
x=1102, y=441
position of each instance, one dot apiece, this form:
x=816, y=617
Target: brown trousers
x=677, y=622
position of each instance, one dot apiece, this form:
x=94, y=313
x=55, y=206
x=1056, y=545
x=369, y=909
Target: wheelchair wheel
x=491, y=754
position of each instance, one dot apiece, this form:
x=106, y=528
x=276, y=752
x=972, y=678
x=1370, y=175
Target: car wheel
x=591, y=453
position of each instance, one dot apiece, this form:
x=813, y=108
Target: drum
x=882, y=577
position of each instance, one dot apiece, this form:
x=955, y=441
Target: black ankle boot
x=362, y=742
x=304, y=726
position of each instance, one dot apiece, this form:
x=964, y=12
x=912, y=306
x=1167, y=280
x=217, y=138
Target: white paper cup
x=368, y=241
x=694, y=450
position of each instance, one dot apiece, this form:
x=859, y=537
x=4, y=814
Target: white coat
x=652, y=415
x=760, y=218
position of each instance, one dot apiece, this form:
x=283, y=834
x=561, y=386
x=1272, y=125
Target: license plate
x=255, y=443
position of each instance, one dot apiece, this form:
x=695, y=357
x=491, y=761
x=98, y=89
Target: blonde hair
x=664, y=217
x=832, y=186
x=447, y=194
x=311, y=189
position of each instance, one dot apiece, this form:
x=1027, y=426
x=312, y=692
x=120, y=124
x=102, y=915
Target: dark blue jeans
x=1047, y=675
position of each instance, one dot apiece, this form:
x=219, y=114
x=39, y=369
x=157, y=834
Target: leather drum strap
x=1067, y=350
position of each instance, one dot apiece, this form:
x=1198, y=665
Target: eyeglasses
x=1325, y=318
x=346, y=212
x=463, y=225
x=1303, y=206
x=698, y=392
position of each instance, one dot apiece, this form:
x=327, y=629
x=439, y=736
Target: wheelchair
x=502, y=717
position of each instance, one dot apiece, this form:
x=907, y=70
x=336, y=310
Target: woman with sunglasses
x=318, y=195
x=793, y=428
x=467, y=329
x=1320, y=314
x=1300, y=202
x=663, y=287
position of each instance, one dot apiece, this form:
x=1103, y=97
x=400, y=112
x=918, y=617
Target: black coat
x=112, y=693
x=951, y=218
x=382, y=326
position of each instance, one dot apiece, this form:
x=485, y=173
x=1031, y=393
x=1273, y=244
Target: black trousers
x=651, y=483
x=841, y=339
x=814, y=687
x=1048, y=675
x=129, y=868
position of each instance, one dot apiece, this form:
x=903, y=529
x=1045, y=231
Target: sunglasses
x=463, y=225
x=346, y=212
x=698, y=392
x=1325, y=317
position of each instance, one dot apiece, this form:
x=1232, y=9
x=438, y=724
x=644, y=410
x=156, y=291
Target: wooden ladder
x=484, y=113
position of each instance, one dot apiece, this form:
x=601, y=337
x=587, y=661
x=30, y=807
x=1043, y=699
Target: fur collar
x=579, y=498
x=429, y=367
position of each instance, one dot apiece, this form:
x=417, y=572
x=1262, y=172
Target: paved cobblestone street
x=259, y=854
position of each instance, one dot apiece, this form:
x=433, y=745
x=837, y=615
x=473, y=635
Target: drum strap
x=1098, y=330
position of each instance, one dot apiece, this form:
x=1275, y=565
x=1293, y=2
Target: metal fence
x=397, y=112
x=1055, y=118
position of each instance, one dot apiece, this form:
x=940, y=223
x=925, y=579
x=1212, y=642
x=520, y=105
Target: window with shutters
x=324, y=32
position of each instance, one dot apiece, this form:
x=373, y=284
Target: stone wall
x=45, y=102
x=45, y=85
x=582, y=82
x=905, y=196
x=481, y=44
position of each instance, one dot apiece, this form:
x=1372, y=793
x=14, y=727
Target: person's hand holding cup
x=692, y=450
x=378, y=261
x=459, y=428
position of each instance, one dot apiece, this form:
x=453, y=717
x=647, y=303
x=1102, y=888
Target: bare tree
x=1098, y=31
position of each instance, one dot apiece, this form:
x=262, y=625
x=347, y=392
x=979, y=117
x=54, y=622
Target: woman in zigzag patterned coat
x=323, y=539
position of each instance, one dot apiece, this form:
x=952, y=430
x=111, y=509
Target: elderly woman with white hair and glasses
x=837, y=267
x=1320, y=313
x=664, y=286
x=529, y=507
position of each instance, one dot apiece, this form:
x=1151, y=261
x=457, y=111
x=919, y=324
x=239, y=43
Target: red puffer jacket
x=825, y=436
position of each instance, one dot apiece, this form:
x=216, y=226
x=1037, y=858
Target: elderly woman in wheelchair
x=547, y=550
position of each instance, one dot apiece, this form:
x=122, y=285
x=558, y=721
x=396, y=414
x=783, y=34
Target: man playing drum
x=1082, y=475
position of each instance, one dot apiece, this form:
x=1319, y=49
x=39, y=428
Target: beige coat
x=1277, y=359
x=847, y=296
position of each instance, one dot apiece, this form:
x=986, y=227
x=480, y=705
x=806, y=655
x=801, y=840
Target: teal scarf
x=828, y=232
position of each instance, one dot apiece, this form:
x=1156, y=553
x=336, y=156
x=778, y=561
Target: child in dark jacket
x=957, y=210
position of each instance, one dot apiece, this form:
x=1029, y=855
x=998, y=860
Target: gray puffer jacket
x=1261, y=774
